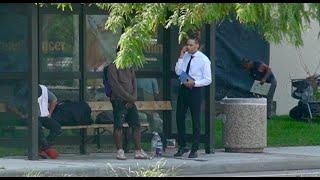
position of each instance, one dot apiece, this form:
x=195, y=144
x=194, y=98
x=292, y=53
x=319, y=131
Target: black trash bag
x=71, y=113
x=301, y=111
x=105, y=117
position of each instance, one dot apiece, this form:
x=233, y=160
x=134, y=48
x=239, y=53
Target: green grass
x=284, y=131
x=281, y=131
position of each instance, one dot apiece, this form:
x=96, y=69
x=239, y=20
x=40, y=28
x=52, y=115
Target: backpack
x=72, y=113
x=107, y=87
x=105, y=117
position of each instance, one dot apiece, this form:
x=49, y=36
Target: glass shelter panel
x=13, y=39
x=150, y=89
x=59, y=35
x=95, y=90
x=14, y=61
x=101, y=44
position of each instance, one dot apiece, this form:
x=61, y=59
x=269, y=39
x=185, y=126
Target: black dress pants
x=54, y=130
x=189, y=99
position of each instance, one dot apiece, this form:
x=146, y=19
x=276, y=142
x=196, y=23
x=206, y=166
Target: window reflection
x=66, y=89
x=149, y=90
x=13, y=42
x=101, y=44
x=153, y=53
x=59, y=43
x=95, y=90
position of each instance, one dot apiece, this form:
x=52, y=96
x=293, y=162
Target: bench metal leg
x=83, y=145
x=98, y=138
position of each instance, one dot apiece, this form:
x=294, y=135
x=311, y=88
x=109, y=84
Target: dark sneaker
x=42, y=154
x=180, y=152
x=193, y=154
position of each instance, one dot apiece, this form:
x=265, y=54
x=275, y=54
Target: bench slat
x=145, y=125
x=141, y=105
x=106, y=105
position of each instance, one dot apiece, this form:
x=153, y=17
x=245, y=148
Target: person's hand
x=129, y=105
x=183, y=50
x=262, y=81
x=189, y=83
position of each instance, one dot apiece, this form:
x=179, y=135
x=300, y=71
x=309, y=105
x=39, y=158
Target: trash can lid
x=255, y=101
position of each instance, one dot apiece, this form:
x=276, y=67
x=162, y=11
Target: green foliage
x=316, y=95
x=275, y=21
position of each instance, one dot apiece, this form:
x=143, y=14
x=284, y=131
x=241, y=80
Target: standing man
x=198, y=67
x=124, y=94
x=262, y=72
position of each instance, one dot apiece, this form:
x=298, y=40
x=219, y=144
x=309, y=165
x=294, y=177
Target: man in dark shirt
x=262, y=72
x=124, y=94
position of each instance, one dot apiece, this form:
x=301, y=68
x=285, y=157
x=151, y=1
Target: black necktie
x=188, y=67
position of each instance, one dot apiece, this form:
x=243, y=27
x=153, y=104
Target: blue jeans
x=270, y=96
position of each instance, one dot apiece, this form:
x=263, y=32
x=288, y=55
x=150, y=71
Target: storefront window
x=59, y=43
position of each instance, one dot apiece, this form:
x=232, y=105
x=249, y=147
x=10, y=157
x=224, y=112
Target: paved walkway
x=104, y=164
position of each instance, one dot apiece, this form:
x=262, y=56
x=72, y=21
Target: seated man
x=47, y=103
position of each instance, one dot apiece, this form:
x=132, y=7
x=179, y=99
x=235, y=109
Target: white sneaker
x=120, y=155
x=140, y=154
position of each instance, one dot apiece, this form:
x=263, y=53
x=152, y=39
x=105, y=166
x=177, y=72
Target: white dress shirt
x=200, y=68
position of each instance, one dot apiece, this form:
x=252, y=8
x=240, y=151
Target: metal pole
x=211, y=111
x=33, y=84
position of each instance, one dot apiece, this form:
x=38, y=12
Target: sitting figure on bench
x=124, y=94
x=47, y=103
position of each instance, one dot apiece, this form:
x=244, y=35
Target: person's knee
x=117, y=128
x=136, y=127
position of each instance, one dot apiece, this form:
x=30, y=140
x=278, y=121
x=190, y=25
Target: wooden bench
x=99, y=106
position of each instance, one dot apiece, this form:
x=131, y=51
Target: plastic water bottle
x=159, y=148
x=154, y=142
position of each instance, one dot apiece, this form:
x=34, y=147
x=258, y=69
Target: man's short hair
x=195, y=35
x=196, y=39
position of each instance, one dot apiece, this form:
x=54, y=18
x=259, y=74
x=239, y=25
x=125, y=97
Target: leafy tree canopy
x=275, y=21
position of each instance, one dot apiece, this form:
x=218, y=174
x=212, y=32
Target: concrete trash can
x=244, y=128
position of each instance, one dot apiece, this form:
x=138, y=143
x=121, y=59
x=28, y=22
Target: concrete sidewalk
x=105, y=164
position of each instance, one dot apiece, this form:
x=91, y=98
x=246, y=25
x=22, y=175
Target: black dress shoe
x=180, y=152
x=193, y=154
